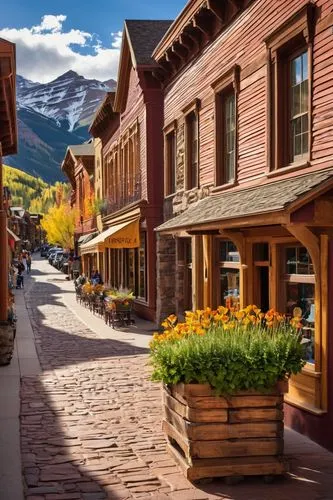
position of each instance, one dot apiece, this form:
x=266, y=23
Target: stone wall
x=7, y=335
x=166, y=276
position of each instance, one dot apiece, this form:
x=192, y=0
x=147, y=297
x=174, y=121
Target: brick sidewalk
x=91, y=423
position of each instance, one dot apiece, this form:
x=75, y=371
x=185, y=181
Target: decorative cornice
x=198, y=24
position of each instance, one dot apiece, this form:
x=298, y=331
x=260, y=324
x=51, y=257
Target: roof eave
x=176, y=27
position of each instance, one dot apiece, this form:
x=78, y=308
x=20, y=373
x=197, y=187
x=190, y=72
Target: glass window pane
x=229, y=112
x=304, y=96
x=229, y=287
x=300, y=303
x=305, y=66
x=228, y=252
x=298, y=261
x=296, y=101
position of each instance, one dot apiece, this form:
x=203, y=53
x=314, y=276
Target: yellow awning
x=123, y=235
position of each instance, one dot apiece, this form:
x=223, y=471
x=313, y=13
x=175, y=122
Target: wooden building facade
x=79, y=165
x=127, y=131
x=8, y=146
x=248, y=171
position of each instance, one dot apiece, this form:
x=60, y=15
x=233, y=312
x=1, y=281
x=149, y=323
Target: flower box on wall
x=216, y=436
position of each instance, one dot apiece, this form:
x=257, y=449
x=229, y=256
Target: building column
x=3, y=252
x=165, y=279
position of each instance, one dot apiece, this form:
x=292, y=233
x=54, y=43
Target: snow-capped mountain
x=50, y=117
x=70, y=99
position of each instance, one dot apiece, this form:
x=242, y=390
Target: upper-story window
x=229, y=136
x=226, y=90
x=289, y=90
x=192, y=152
x=299, y=110
x=192, y=145
x=170, y=159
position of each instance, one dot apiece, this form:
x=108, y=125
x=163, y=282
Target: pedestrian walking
x=28, y=263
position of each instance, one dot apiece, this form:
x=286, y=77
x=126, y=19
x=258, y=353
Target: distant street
x=91, y=422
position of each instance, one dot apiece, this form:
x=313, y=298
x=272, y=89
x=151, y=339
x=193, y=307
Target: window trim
x=227, y=83
x=193, y=107
x=298, y=30
x=171, y=128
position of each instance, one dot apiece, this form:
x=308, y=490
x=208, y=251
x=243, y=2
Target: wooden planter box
x=211, y=436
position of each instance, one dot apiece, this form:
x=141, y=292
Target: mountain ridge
x=50, y=117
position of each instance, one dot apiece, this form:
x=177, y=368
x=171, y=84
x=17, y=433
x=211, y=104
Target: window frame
x=191, y=109
x=295, y=36
x=224, y=264
x=170, y=131
x=224, y=86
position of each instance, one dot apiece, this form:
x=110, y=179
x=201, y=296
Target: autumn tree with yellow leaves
x=59, y=224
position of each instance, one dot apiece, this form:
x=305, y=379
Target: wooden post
x=3, y=252
x=273, y=277
x=196, y=272
x=324, y=318
x=207, y=270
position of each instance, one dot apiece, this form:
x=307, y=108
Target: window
x=299, y=119
x=226, y=90
x=142, y=268
x=170, y=163
x=229, y=139
x=191, y=113
x=228, y=290
x=299, y=281
x=289, y=89
x=192, y=151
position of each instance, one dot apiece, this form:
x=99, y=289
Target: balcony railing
x=112, y=204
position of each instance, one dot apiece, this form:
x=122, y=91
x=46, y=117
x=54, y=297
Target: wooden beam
x=199, y=23
x=181, y=51
x=186, y=41
x=216, y=8
x=172, y=59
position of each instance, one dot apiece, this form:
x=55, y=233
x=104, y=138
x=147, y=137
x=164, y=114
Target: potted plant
x=118, y=306
x=224, y=374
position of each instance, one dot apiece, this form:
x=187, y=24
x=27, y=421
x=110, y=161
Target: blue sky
x=56, y=35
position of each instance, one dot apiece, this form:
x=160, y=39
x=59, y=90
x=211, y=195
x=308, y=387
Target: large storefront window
x=229, y=275
x=300, y=294
x=128, y=268
x=142, y=268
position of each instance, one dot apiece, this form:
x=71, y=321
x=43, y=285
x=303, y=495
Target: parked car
x=43, y=250
x=55, y=255
x=60, y=259
x=52, y=254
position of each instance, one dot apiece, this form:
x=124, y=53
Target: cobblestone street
x=91, y=422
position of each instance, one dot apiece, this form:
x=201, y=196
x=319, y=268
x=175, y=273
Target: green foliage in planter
x=240, y=357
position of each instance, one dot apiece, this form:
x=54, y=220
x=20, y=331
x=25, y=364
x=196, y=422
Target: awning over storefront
x=85, y=238
x=12, y=235
x=123, y=235
x=274, y=197
x=12, y=238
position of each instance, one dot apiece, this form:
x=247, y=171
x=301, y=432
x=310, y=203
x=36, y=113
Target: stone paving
x=91, y=422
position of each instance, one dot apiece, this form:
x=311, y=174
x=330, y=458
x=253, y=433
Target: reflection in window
x=299, y=105
x=298, y=261
x=229, y=287
x=300, y=294
x=228, y=252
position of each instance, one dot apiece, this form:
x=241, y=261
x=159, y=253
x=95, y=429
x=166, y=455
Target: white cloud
x=46, y=51
x=50, y=23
